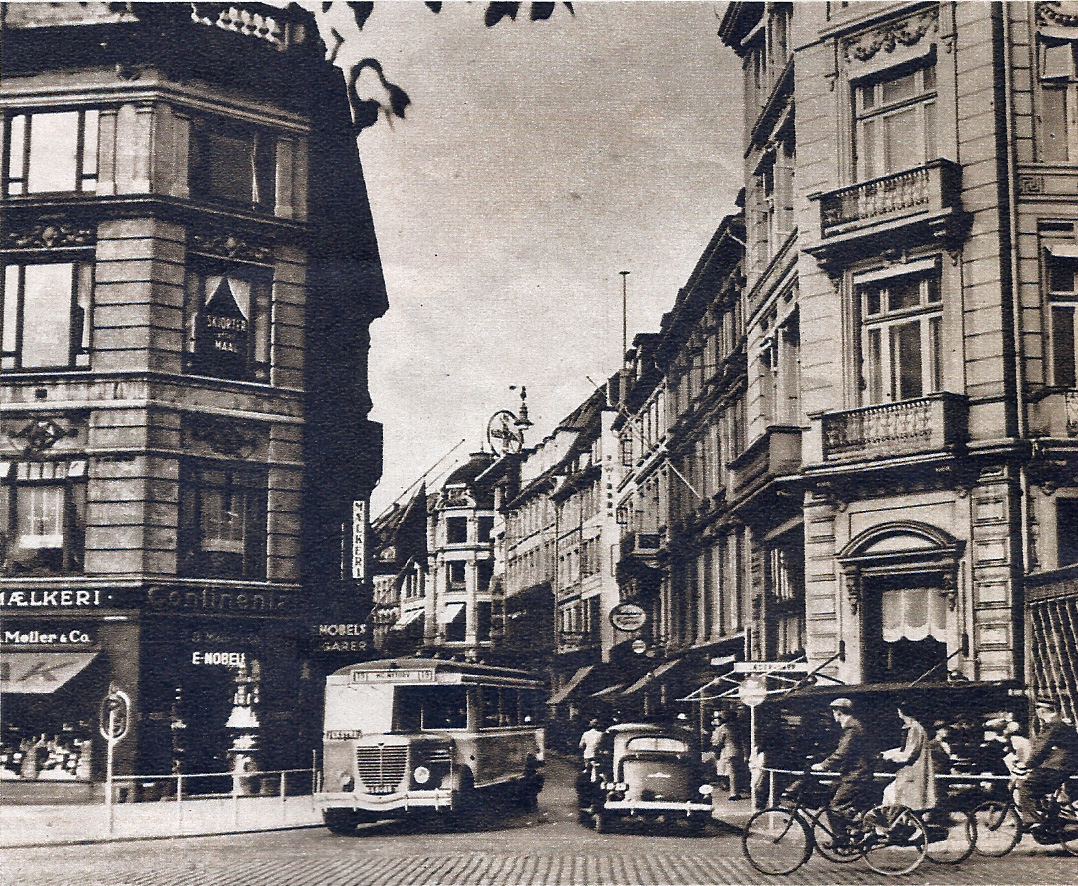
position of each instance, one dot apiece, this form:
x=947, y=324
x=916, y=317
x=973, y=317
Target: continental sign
x=218, y=600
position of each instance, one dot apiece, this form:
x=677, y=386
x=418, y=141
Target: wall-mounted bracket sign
x=628, y=617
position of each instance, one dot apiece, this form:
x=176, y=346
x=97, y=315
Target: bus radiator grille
x=381, y=769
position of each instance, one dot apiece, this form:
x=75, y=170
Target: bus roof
x=431, y=669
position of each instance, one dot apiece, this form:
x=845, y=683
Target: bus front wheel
x=342, y=822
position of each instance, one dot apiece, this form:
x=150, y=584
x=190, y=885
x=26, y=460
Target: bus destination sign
x=416, y=675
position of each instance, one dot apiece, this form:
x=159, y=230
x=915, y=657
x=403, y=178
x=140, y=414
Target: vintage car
x=645, y=771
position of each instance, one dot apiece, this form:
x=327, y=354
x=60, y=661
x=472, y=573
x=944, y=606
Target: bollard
x=284, y=777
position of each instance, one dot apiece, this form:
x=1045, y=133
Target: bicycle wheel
x=824, y=837
x=894, y=841
x=1068, y=830
x=998, y=828
x=776, y=841
x=951, y=836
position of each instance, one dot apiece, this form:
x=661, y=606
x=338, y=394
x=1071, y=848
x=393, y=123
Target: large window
x=42, y=518
x=222, y=521
x=1058, y=119
x=45, y=315
x=902, y=354
x=227, y=322
x=233, y=163
x=1063, y=304
x=896, y=122
x=51, y=152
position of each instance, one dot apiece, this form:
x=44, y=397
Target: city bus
x=405, y=735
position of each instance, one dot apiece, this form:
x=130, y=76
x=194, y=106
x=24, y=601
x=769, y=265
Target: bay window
x=42, y=518
x=901, y=337
x=895, y=123
x=45, y=315
x=227, y=321
x=47, y=152
x=222, y=521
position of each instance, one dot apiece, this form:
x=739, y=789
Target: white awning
x=914, y=613
x=40, y=672
x=452, y=612
x=408, y=617
x=574, y=681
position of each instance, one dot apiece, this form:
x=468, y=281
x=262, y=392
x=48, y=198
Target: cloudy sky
x=537, y=160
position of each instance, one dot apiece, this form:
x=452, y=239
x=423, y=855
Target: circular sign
x=628, y=617
x=639, y=646
x=752, y=691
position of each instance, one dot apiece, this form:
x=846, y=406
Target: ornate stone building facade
x=189, y=272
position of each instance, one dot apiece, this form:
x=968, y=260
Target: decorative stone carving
x=1061, y=13
x=50, y=234
x=42, y=434
x=231, y=246
x=222, y=435
x=905, y=32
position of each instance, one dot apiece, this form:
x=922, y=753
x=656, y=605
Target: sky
x=536, y=161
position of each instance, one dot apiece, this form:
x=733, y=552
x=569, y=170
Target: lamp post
x=624, y=316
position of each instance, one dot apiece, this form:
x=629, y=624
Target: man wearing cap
x=853, y=760
x=1053, y=758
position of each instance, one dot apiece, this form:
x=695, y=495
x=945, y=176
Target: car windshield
x=656, y=743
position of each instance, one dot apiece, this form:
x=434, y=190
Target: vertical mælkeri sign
x=359, y=539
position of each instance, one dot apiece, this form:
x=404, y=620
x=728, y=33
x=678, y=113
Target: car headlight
x=705, y=789
x=421, y=774
x=346, y=781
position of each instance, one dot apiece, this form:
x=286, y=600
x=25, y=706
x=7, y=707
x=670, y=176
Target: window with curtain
x=42, y=518
x=45, y=315
x=233, y=163
x=228, y=321
x=895, y=122
x=901, y=337
x=222, y=521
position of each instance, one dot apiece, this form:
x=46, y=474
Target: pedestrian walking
x=589, y=742
x=915, y=782
x=729, y=753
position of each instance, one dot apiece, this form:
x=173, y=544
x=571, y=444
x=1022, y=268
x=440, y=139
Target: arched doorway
x=902, y=581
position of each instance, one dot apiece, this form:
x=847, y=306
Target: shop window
x=45, y=315
x=51, y=152
x=895, y=122
x=42, y=518
x=222, y=522
x=1058, y=118
x=901, y=329
x=456, y=530
x=227, y=322
x=1066, y=531
x=1063, y=305
x=233, y=163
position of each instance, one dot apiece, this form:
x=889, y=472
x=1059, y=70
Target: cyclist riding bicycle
x=1053, y=758
x=853, y=761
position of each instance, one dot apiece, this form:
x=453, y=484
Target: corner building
x=189, y=272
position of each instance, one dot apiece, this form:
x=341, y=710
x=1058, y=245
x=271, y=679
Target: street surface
x=544, y=848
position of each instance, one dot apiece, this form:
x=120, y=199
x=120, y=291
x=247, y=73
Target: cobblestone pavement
x=547, y=848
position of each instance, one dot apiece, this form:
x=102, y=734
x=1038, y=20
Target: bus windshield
x=420, y=708
x=359, y=706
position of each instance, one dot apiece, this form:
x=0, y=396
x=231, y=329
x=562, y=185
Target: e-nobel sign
x=236, y=660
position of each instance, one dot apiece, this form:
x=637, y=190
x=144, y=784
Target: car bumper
x=385, y=803
x=689, y=809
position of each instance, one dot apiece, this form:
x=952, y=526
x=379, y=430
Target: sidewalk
x=24, y=826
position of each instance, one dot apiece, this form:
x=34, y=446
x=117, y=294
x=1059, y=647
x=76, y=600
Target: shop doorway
x=905, y=626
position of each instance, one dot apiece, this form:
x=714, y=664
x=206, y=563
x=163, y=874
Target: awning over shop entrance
x=40, y=672
x=653, y=676
x=574, y=681
x=452, y=612
x=609, y=691
x=408, y=617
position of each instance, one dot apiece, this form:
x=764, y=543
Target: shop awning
x=652, y=676
x=609, y=691
x=407, y=618
x=452, y=612
x=40, y=672
x=574, y=681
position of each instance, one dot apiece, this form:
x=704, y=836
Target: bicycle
x=778, y=840
x=1000, y=828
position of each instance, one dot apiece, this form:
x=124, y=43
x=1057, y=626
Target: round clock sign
x=628, y=617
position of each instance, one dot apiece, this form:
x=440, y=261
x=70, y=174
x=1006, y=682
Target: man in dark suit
x=1053, y=758
x=853, y=761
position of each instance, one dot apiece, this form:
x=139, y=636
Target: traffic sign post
x=752, y=692
x=114, y=719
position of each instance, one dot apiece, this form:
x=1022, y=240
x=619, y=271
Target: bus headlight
x=346, y=781
x=705, y=789
x=421, y=774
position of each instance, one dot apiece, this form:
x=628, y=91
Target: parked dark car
x=645, y=771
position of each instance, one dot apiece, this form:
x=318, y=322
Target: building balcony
x=921, y=205
x=936, y=423
x=776, y=453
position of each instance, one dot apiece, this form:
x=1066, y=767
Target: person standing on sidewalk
x=729, y=752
